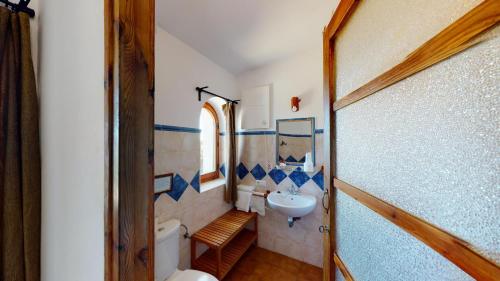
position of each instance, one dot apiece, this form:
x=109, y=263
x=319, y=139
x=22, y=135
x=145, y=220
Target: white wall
x=300, y=75
x=71, y=72
x=179, y=70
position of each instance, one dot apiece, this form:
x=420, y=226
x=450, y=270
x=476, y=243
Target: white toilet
x=167, y=256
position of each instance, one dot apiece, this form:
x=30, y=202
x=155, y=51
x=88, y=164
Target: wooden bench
x=227, y=239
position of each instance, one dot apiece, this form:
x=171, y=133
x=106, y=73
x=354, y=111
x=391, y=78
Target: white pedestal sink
x=292, y=205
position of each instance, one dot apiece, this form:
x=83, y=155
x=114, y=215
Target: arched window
x=209, y=143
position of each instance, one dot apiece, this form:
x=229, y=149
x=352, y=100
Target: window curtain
x=20, y=193
x=230, y=193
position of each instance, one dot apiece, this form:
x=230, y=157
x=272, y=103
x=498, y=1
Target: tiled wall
x=257, y=159
x=177, y=150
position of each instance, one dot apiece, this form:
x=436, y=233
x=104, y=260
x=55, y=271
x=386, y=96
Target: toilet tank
x=167, y=249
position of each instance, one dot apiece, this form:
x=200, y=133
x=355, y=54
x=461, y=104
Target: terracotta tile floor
x=259, y=264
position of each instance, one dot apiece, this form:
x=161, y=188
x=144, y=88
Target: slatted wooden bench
x=227, y=239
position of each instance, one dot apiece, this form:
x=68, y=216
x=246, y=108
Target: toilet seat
x=191, y=275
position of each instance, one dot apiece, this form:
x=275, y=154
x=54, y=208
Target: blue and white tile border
x=170, y=128
x=180, y=185
x=298, y=176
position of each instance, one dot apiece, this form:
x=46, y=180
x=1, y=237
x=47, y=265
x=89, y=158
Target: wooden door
x=339, y=18
x=329, y=164
x=129, y=65
x=457, y=37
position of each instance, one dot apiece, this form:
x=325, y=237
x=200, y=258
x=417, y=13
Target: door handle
x=324, y=202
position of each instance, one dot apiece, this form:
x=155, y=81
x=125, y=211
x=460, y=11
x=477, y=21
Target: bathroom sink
x=291, y=205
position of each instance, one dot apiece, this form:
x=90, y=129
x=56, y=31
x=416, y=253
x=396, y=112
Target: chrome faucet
x=293, y=189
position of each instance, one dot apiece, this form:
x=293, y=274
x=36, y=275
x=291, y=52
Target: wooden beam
x=340, y=17
x=342, y=267
x=451, y=247
x=129, y=87
x=111, y=71
x=455, y=38
x=136, y=147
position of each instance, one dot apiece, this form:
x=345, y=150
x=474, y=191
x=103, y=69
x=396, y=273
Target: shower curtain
x=230, y=193
x=20, y=193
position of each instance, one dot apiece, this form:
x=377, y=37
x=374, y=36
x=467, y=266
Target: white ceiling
x=240, y=35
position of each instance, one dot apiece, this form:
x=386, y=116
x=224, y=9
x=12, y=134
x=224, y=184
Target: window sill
x=209, y=185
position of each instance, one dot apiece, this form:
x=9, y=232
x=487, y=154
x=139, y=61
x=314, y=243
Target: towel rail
x=261, y=193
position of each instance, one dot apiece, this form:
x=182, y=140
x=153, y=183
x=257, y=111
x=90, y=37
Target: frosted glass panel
x=338, y=275
x=430, y=145
x=375, y=249
x=381, y=33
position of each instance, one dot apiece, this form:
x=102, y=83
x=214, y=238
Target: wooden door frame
x=215, y=174
x=129, y=30
x=342, y=13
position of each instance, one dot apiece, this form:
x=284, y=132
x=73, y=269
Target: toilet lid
x=192, y=275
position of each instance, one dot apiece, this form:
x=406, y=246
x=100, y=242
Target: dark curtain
x=20, y=193
x=230, y=194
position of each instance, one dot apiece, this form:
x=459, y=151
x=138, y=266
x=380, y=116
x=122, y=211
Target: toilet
x=167, y=256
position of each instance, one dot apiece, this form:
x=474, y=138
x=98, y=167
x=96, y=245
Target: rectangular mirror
x=295, y=138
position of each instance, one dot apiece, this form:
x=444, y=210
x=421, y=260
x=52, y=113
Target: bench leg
x=257, y=230
x=193, y=252
x=219, y=263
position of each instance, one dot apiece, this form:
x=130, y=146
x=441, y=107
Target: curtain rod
x=22, y=6
x=201, y=90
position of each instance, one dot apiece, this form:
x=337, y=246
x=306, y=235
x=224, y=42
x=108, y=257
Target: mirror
x=295, y=138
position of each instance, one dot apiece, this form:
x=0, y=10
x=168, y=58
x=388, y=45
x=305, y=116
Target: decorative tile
x=291, y=159
x=281, y=159
x=223, y=170
x=195, y=182
x=258, y=172
x=178, y=187
x=157, y=195
x=242, y=171
x=319, y=179
x=277, y=175
x=303, y=159
x=298, y=177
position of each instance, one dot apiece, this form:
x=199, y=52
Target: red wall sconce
x=295, y=104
